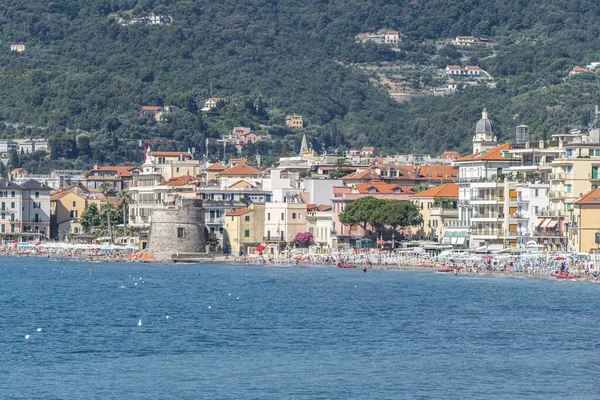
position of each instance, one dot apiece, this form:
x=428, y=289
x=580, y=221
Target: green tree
x=123, y=200
x=90, y=218
x=360, y=212
x=106, y=188
x=400, y=214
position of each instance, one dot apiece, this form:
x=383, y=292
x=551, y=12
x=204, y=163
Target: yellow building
x=244, y=229
x=439, y=206
x=583, y=230
x=294, y=121
x=66, y=208
x=171, y=164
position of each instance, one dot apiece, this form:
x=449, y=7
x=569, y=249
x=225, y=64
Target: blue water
x=291, y=333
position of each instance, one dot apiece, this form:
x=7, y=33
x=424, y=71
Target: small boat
x=565, y=275
x=445, y=270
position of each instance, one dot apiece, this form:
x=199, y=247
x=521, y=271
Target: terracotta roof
x=493, y=154
x=381, y=187
x=170, y=154
x=577, y=68
x=151, y=108
x=216, y=167
x=454, y=67
x=449, y=155
x=16, y=170
x=216, y=99
x=465, y=37
x=445, y=190
x=590, y=198
x=241, y=181
x=179, y=181
x=475, y=67
x=118, y=169
x=368, y=173
x=391, y=33
x=324, y=207
x=240, y=170
x=438, y=172
x=59, y=195
x=368, y=148
x=240, y=211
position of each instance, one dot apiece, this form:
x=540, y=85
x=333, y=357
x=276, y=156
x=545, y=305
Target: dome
x=484, y=125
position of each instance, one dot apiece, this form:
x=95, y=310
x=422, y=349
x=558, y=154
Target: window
x=293, y=215
x=247, y=233
x=247, y=218
x=12, y=228
x=37, y=195
x=12, y=204
x=568, y=169
x=36, y=218
x=3, y=216
x=12, y=217
x=282, y=215
x=268, y=216
x=180, y=233
x=569, y=188
x=73, y=214
x=3, y=206
x=74, y=203
x=12, y=194
x=3, y=228
x=76, y=230
x=311, y=230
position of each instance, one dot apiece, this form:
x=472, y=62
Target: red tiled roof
x=445, y=190
x=240, y=170
x=391, y=33
x=368, y=173
x=454, y=67
x=449, y=155
x=368, y=148
x=590, y=198
x=240, y=211
x=493, y=154
x=381, y=187
x=180, y=180
x=438, y=172
x=151, y=108
x=216, y=167
x=577, y=68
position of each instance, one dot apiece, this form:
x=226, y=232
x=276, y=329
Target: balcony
x=443, y=212
x=218, y=221
x=541, y=233
x=556, y=195
x=594, y=177
x=273, y=239
x=556, y=177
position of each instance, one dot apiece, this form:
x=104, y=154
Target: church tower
x=484, y=135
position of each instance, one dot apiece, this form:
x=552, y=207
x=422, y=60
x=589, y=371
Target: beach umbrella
x=38, y=243
x=260, y=248
x=380, y=242
x=15, y=241
x=487, y=257
x=559, y=259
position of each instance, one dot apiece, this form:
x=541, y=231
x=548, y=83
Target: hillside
x=84, y=72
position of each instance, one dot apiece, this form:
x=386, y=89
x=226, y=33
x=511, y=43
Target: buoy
x=27, y=336
x=209, y=307
x=140, y=322
x=229, y=294
x=167, y=317
x=39, y=329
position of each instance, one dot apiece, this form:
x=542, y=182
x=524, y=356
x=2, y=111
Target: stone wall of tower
x=177, y=229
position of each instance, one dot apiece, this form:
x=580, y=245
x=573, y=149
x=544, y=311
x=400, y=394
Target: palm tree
x=106, y=188
x=123, y=200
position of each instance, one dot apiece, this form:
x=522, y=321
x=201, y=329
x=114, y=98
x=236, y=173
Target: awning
x=461, y=240
x=454, y=240
x=546, y=222
x=446, y=240
x=552, y=223
x=542, y=222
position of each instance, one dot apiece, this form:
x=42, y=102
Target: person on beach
x=364, y=269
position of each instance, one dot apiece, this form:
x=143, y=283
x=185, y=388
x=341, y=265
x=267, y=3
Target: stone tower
x=178, y=228
x=484, y=135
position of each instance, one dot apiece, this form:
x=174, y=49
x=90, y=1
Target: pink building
x=244, y=135
x=344, y=195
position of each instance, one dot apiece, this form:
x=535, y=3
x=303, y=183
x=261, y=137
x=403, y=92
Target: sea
x=71, y=330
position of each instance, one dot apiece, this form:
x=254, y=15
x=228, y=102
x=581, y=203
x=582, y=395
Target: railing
x=556, y=195
x=556, y=177
x=549, y=233
x=592, y=177
x=548, y=213
x=273, y=239
x=219, y=220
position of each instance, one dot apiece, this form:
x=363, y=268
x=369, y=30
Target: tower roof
x=484, y=125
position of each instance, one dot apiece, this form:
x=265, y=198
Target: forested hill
x=83, y=71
